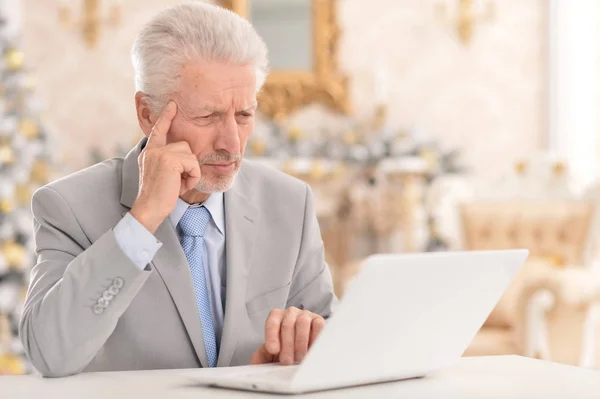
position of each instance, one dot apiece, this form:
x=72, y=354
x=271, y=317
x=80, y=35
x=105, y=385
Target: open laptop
x=403, y=316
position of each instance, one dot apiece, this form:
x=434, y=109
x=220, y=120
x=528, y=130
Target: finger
x=261, y=356
x=182, y=147
x=317, y=326
x=303, y=327
x=158, y=135
x=188, y=164
x=188, y=183
x=272, y=328
x=287, y=336
x=190, y=171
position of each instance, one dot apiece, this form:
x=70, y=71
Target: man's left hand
x=289, y=334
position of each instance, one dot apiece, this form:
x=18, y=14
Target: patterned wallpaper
x=487, y=99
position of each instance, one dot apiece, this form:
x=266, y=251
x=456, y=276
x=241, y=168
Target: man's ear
x=146, y=117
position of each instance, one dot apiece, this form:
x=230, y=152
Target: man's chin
x=216, y=184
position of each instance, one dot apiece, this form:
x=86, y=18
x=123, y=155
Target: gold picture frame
x=287, y=90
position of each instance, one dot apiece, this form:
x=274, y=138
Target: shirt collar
x=214, y=204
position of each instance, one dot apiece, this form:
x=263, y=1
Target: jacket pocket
x=272, y=299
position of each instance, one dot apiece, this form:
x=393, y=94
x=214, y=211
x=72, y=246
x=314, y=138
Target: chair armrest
x=553, y=315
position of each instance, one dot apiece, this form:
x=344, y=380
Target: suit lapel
x=170, y=261
x=241, y=226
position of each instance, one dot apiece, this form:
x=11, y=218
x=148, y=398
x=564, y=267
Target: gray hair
x=192, y=32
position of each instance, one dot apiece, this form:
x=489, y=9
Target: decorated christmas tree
x=24, y=166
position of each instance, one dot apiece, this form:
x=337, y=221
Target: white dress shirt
x=140, y=246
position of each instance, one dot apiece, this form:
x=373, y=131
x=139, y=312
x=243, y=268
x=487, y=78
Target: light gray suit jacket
x=274, y=256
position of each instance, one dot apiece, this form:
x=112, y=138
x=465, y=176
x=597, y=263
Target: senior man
x=180, y=255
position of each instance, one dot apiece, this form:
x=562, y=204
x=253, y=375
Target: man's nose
x=228, y=139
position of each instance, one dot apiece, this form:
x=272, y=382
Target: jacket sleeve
x=77, y=290
x=312, y=287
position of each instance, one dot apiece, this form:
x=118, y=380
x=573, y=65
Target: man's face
x=215, y=115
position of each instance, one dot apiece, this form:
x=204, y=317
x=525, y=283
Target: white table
x=482, y=377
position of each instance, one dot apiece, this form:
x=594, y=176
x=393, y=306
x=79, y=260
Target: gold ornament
x=23, y=194
x=258, y=147
x=559, y=168
x=520, y=167
x=556, y=261
x=296, y=134
x=7, y=155
x=14, y=254
x=29, y=128
x=6, y=206
x=11, y=365
x=40, y=172
x=14, y=59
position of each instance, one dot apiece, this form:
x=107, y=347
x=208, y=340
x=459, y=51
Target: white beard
x=206, y=186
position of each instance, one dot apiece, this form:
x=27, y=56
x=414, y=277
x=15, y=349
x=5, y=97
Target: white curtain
x=574, y=85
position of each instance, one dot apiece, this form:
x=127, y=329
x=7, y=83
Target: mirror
x=302, y=38
x=286, y=27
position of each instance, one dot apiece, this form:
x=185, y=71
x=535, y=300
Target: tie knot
x=194, y=221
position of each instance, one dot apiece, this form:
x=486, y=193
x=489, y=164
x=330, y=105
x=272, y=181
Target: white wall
x=488, y=99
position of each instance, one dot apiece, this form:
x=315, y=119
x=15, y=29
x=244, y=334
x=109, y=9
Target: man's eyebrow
x=249, y=108
x=219, y=110
x=207, y=109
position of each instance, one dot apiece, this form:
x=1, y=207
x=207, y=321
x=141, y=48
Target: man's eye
x=245, y=114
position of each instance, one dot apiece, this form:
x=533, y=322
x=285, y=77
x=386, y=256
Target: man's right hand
x=166, y=172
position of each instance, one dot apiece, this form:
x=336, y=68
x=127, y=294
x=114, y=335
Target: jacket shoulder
x=102, y=180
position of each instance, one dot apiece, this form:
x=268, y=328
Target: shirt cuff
x=136, y=241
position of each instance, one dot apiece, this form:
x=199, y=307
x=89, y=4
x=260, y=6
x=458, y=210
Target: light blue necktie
x=193, y=225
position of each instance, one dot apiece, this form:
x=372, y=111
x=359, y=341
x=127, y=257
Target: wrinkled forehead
x=216, y=86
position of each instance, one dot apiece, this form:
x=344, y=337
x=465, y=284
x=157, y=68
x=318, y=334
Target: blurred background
x=421, y=125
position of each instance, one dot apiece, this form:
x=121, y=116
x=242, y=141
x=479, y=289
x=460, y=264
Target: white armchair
x=560, y=317
x=552, y=308
x=560, y=310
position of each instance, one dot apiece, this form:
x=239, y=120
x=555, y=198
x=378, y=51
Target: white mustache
x=218, y=157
